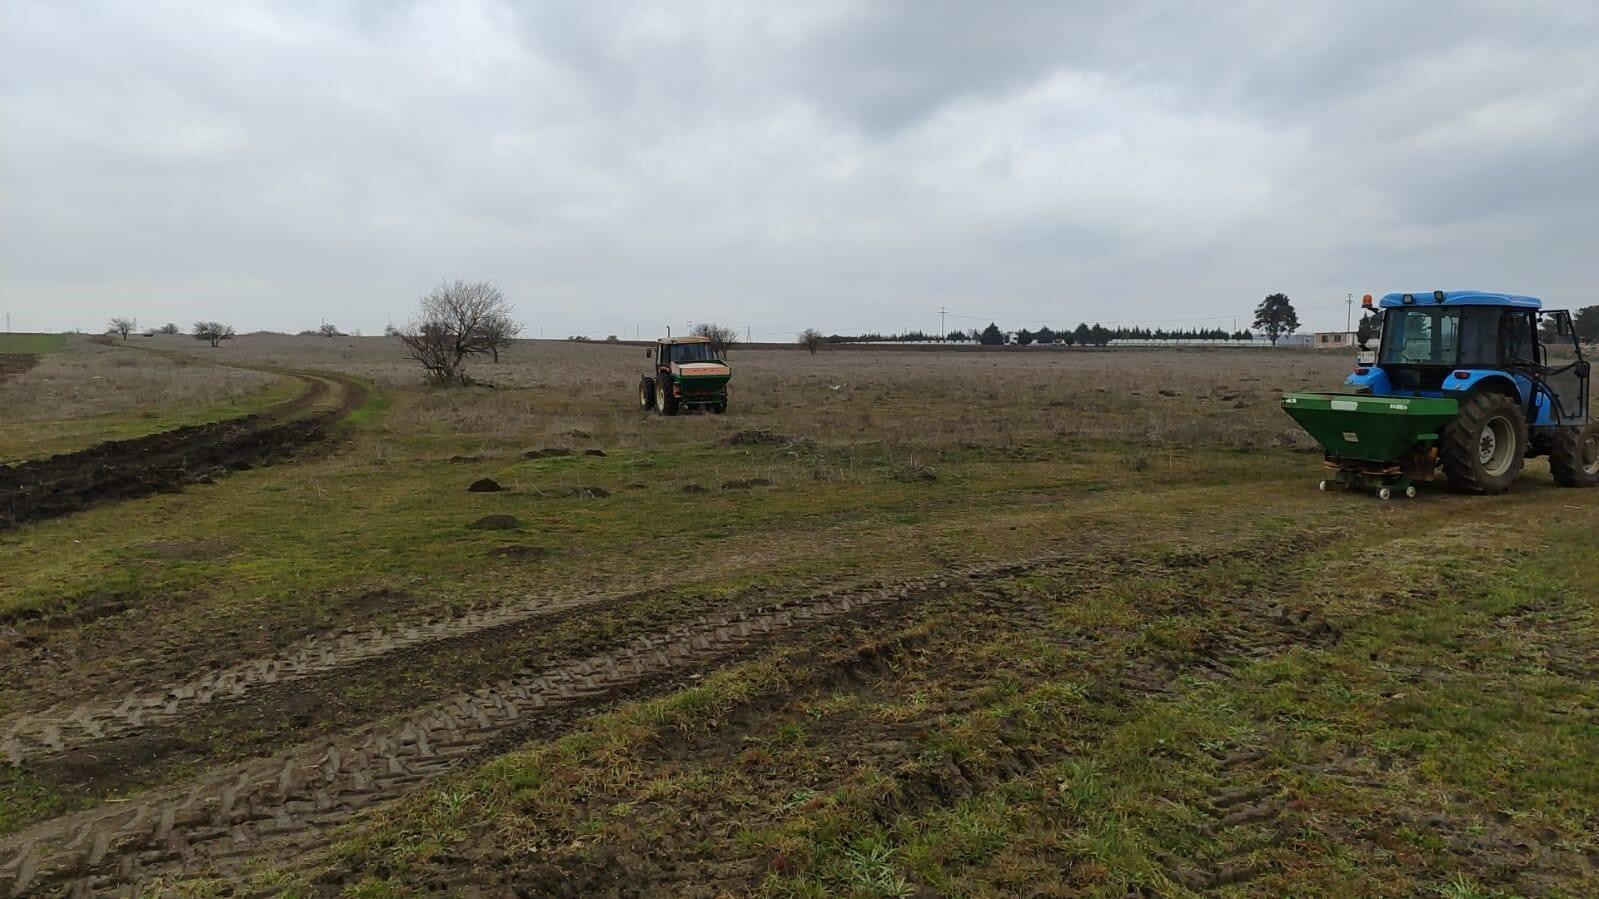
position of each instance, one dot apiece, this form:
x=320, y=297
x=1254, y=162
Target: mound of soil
x=496, y=523
x=520, y=552
x=549, y=452
x=485, y=485
x=746, y=485
x=594, y=452
x=694, y=488
x=457, y=460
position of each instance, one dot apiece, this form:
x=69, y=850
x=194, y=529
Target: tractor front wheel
x=665, y=401
x=1483, y=449
x=1574, y=456
x=646, y=393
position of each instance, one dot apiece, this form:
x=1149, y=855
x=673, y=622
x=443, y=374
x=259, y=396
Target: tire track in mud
x=287, y=803
x=157, y=463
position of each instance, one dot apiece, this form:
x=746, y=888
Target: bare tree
x=722, y=338
x=328, y=330
x=811, y=339
x=168, y=328
x=212, y=332
x=124, y=326
x=454, y=321
x=497, y=333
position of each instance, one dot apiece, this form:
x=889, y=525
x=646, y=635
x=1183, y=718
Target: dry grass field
x=900, y=623
x=88, y=392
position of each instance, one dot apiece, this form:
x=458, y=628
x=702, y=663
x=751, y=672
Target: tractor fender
x=1479, y=379
x=1370, y=379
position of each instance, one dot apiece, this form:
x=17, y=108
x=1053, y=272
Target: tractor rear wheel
x=1483, y=449
x=646, y=393
x=665, y=402
x=1574, y=456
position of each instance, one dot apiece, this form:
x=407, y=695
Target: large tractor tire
x=665, y=402
x=646, y=393
x=718, y=407
x=1483, y=449
x=1574, y=456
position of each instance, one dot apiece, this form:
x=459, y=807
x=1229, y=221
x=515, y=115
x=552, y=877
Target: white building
x=1334, y=340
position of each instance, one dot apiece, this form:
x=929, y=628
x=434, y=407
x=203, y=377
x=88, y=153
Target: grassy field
x=1107, y=636
x=32, y=344
x=85, y=392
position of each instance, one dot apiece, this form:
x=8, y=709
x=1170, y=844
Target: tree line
x=1083, y=335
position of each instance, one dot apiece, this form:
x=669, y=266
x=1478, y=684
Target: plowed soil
x=13, y=364
x=124, y=469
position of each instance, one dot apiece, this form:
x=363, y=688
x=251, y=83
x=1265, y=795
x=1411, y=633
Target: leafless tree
x=168, y=328
x=811, y=339
x=497, y=333
x=123, y=326
x=328, y=330
x=212, y=332
x=456, y=320
x=722, y=338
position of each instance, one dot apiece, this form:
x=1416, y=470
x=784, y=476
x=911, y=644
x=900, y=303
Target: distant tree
x=991, y=336
x=957, y=336
x=212, y=332
x=168, y=328
x=811, y=339
x=722, y=338
x=1082, y=335
x=328, y=330
x=1586, y=322
x=123, y=327
x=497, y=333
x=1366, y=331
x=1276, y=318
x=1045, y=335
x=390, y=331
x=1024, y=337
x=451, y=324
x=1099, y=335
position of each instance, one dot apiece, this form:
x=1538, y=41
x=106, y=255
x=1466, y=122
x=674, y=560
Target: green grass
x=1436, y=721
x=34, y=440
x=37, y=344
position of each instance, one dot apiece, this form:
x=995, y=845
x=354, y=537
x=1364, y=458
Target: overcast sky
x=849, y=165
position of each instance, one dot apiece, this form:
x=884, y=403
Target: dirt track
x=284, y=804
x=124, y=469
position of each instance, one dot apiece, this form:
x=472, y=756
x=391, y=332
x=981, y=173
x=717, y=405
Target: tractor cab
x=685, y=372
x=1452, y=343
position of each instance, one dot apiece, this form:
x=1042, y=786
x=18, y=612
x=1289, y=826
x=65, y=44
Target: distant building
x=1334, y=340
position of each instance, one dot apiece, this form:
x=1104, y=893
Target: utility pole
x=943, y=329
x=1349, y=311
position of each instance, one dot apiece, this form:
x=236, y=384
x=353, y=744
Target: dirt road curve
x=285, y=805
x=123, y=469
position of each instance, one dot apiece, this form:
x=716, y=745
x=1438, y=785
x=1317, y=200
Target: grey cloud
x=781, y=165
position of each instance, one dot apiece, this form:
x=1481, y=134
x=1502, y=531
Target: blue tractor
x=1468, y=382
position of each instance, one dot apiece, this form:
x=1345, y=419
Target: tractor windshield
x=1421, y=337
x=693, y=352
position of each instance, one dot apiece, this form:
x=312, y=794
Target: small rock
x=457, y=460
x=549, y=452
x=1167, y=392
x=594, y=452
x=485, y=485
x=694, y=488
x=593, y=492
x=496, y=523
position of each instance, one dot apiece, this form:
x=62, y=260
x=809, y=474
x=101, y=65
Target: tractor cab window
x=693, y=352
x=1421, y=337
